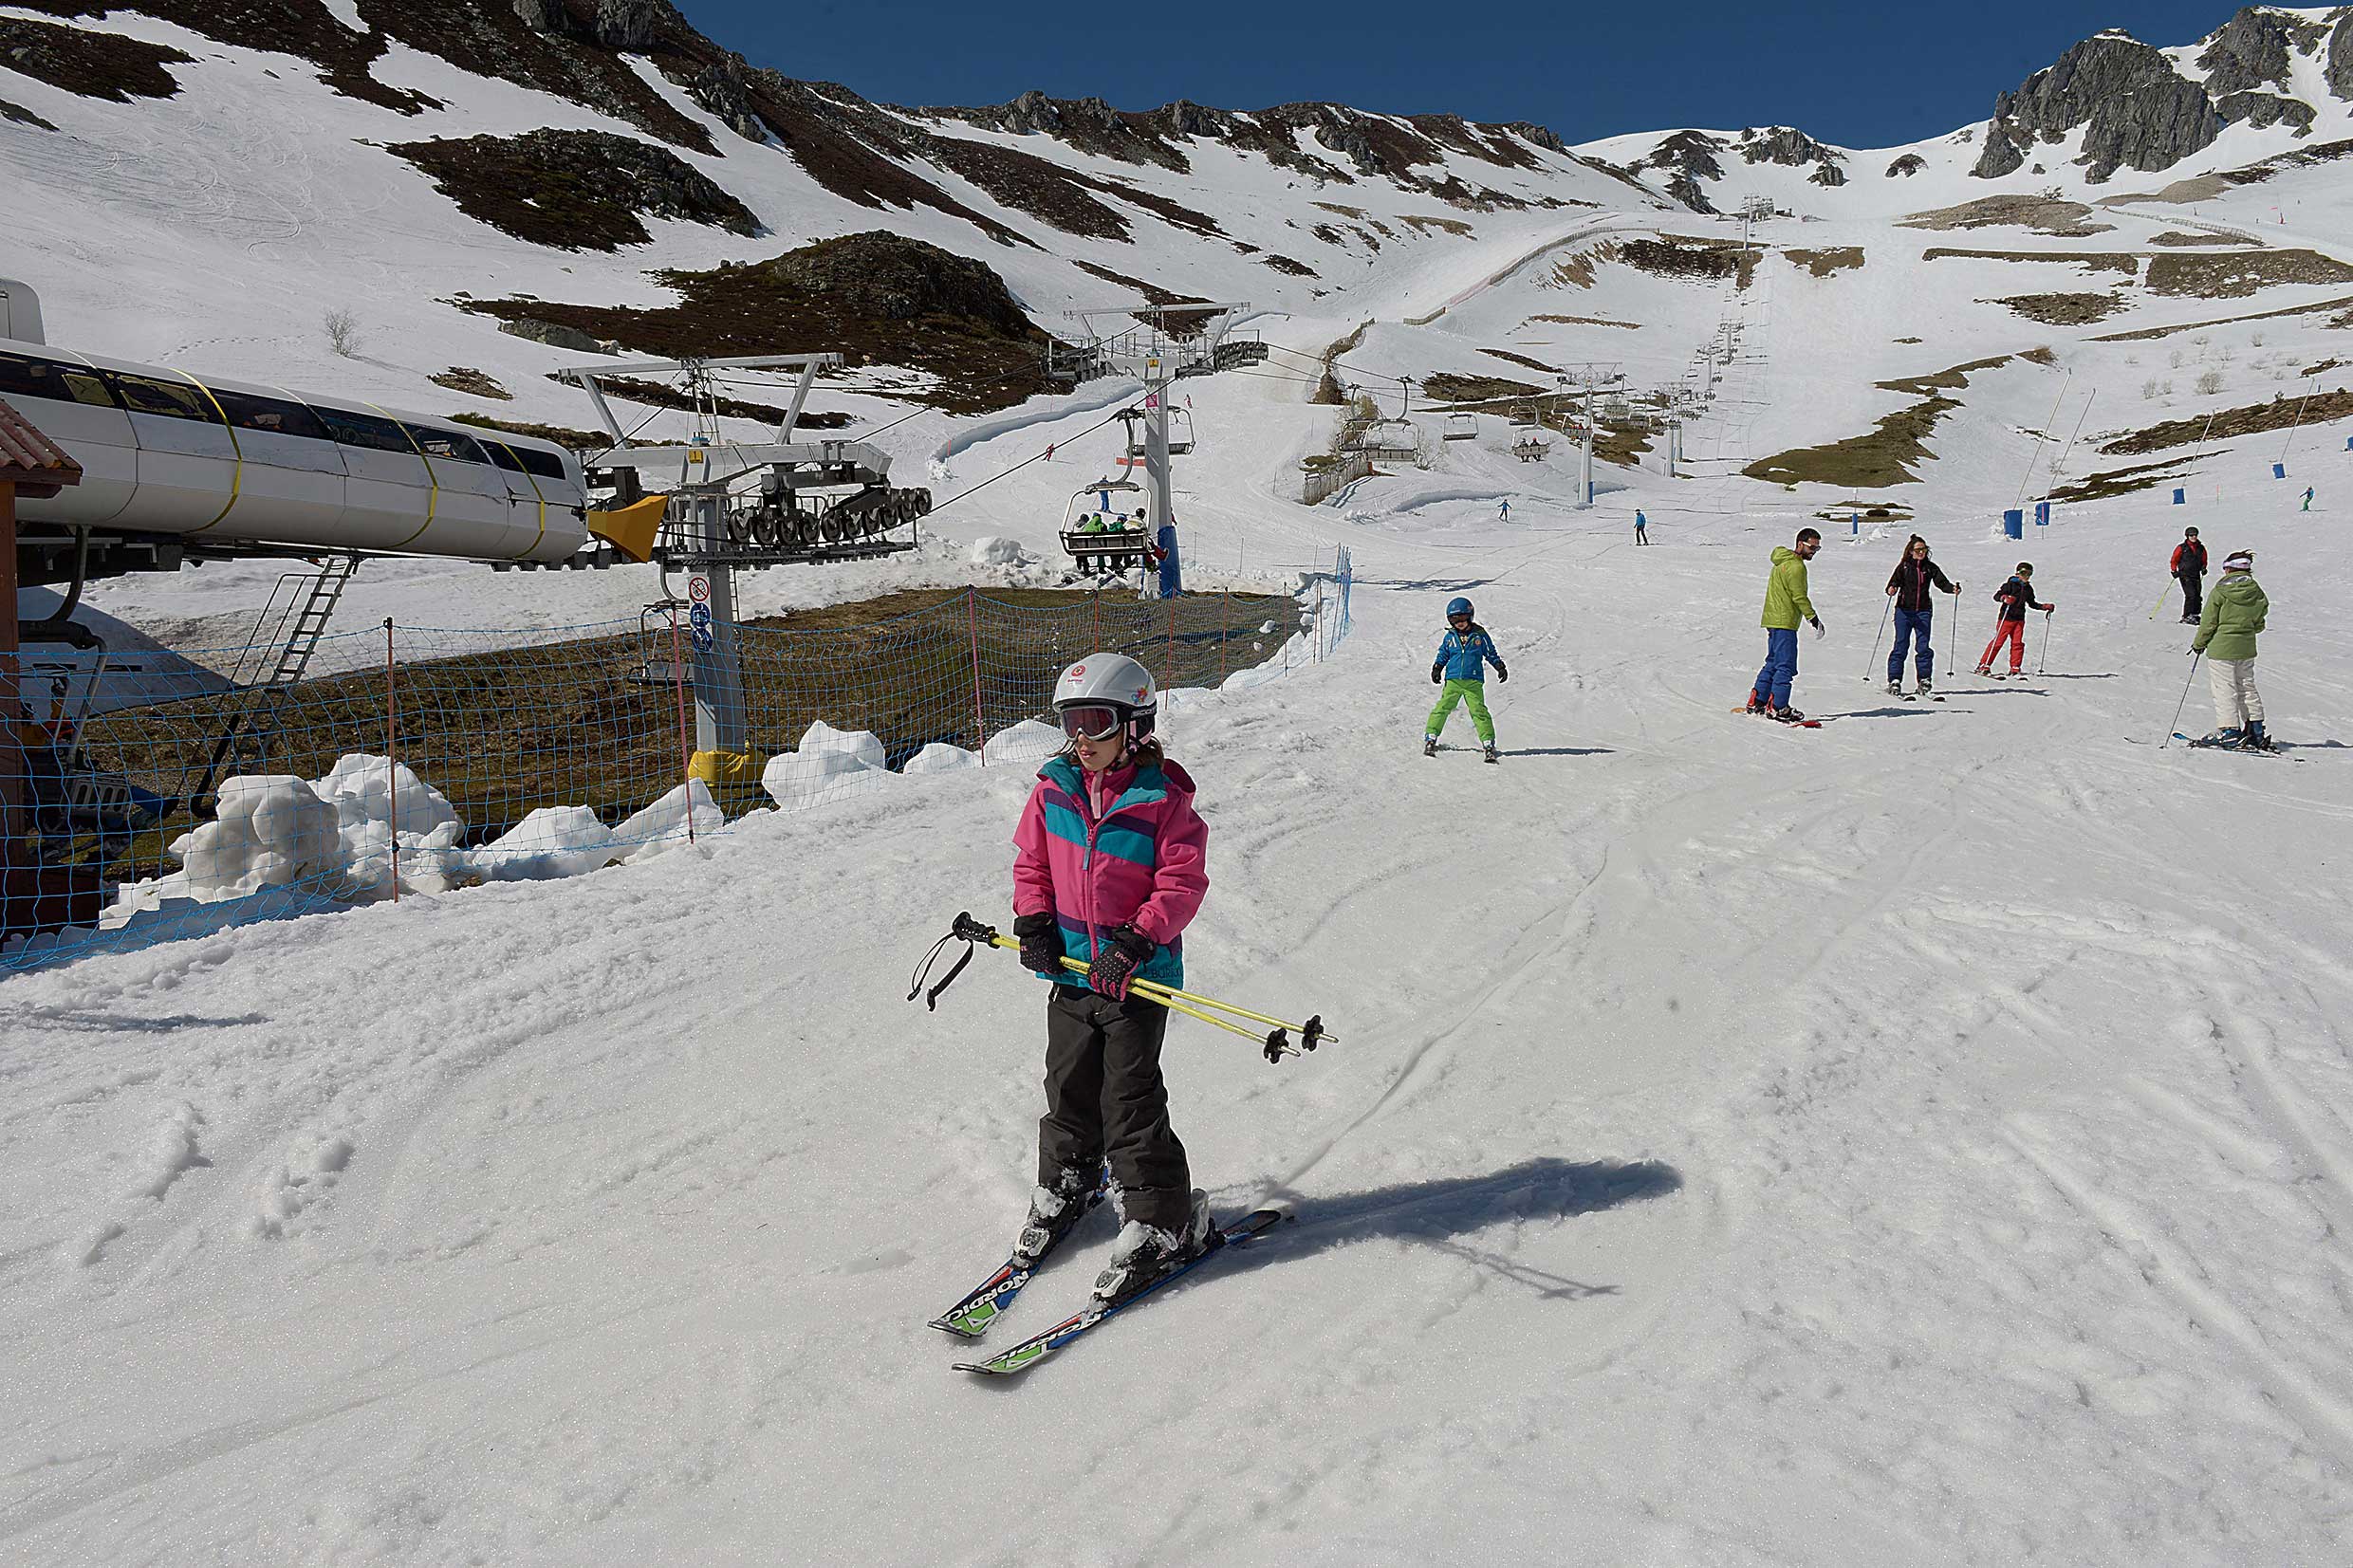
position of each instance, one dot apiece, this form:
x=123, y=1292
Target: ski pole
x=2175, y=728
x=1276, y=1042
x=1953, y=648
x=2161, y=598
x=1876, y=636
x=2046, y=653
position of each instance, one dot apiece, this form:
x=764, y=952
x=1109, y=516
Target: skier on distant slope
x=2189, y=565
x=1463, y=655
x=1786, y=605
x=2016, y=597
x=1909, y=585
x=2226, y=635
x=1110, y=866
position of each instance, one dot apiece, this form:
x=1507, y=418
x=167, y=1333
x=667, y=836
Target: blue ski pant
x=1909, y=622
x=1780, y=672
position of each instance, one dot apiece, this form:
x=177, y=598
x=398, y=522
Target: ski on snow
x=1801, y=724
x=1038, y=1346
x=970, y=1317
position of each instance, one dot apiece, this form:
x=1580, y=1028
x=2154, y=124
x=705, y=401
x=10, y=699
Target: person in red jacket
x=2016, y=597
x=2190, y=566
x=1110, y=866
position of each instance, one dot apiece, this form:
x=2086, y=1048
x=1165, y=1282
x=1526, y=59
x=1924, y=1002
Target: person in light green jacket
x=2226, y=635
x=1786, y=605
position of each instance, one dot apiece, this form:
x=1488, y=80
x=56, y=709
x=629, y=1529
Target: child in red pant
x=2016, y=597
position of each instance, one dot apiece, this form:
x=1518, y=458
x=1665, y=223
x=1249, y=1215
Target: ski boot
x=2254, y=738
x=1490, y=753
x=1428, y=745
x=1054, y=1212
x=1785, y=715
x=1895, y=689
x=1985, y=669
x=1145, y=1253
x=1758, y=706
x=1922, y=688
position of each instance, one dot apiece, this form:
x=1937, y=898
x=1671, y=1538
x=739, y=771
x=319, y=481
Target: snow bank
x=551, y=842
x=939, y=757
x=273, y=831
x=829, y=764
x=996, y=550
x=1026, y=742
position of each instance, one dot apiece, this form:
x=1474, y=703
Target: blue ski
x=1038, y=1346
x=970, y=1317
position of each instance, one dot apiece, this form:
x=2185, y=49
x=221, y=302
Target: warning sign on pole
x=698, y=588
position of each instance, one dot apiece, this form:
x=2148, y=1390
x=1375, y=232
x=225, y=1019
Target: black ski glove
x=1436, y=677
x=1113, y=969
x=1041, y=942
x=1502, y=673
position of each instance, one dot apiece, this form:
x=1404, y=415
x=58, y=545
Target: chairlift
x=1524, y=414
x=1527, y=449
x=1180, y=432
x=1461, y=427
x=665, y=657
x=1126, y=535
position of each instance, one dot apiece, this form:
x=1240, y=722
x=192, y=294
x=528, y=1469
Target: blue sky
x=1860, y=74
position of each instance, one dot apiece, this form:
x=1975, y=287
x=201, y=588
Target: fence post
x=686, y=747
x=1094, y=597
x=1170, y=679
x=1319, y=618
x=392, y=767
x=980, y=725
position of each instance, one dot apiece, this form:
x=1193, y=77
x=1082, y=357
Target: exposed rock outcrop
x=1785, y=145
x=2264, y=110
x=2134, y=107
x=2339, y=63
x=2254, y=49
x=1908, y=165
x=573, y=190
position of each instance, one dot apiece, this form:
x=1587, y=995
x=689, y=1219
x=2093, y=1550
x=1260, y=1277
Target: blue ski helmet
x=1457, y=607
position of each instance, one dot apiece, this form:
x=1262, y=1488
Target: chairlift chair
x=1461, y=427
x=1115, y=550
x=1180, y=432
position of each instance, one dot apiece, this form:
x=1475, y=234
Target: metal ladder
x=294, y=632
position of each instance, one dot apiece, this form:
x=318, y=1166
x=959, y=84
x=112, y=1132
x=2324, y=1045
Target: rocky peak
x=2254, y=49
x=1785, y=145
x=2339, y=67
x=2134, y=107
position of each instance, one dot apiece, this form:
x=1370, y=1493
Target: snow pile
x=996, y=550
x=939, y=757
x=273, y=831
x=829, y=764
x=550, y=842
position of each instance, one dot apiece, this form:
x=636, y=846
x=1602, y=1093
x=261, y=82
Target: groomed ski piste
x=1919, y=1140
x=1927, y=1139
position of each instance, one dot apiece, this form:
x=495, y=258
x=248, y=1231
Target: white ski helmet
x=1113, y=681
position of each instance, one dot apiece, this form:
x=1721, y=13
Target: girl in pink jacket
x=1110, y=866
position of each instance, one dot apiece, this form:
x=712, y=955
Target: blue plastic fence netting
x=167, y=793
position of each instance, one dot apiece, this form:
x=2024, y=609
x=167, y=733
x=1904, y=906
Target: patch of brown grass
x=1449, y=387
x=2236, y=275
x=2148, y=332
x=2279, y=414
x=1521, y=359
x=2115, y=482
x=1823, y=263
x=1587, y=321
x=478, y=384
x=2098, y=260
x=2044, y=215
x=2064, y=309
x=2174, y=237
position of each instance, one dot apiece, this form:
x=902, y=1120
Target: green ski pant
x=1473, y=693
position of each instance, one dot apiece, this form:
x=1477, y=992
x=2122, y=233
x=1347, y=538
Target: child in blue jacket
x=1460, y=668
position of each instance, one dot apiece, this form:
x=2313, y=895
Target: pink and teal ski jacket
x=1128, y=850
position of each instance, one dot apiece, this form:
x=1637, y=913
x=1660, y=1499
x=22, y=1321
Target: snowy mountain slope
x=1911, y=1140
x=2112, y=108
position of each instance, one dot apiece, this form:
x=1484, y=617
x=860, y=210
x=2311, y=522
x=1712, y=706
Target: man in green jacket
x=2226, y=635
x=1786, y=605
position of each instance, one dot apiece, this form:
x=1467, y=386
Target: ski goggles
x=1091, y=721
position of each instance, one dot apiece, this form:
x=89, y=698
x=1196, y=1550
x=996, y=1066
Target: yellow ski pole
x=1276, y=1042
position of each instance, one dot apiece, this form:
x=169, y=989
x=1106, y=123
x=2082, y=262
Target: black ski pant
x=2193, y=598
x=1104, y=1101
